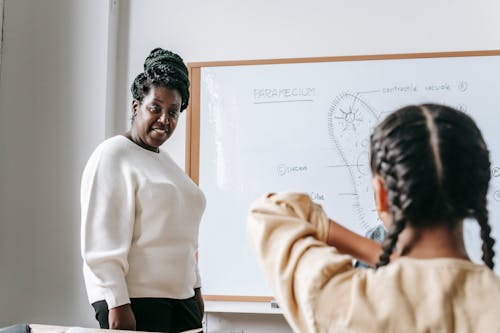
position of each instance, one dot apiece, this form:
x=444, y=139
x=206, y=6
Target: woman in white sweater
x=431, y=170
x=141, y=214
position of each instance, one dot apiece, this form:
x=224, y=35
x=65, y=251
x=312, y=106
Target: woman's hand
x=122, y=318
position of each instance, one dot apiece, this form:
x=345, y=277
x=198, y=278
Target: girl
x=431, y=170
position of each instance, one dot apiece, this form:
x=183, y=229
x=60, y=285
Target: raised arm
x=289, y=233
x=353, y=244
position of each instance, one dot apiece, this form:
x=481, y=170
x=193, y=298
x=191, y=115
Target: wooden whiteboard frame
x=193, y=114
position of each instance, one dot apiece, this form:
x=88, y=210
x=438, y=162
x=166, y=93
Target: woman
x=141, y=214
x=431, y=170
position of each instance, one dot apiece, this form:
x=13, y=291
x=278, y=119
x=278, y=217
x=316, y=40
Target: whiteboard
x=303, y=125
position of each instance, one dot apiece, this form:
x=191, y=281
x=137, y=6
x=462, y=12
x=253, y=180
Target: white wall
x=54, y=107
x=53, y=97
x=70, y=43
x=16, y=171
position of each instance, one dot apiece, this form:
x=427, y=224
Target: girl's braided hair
x=162, y=68
x=436, y=167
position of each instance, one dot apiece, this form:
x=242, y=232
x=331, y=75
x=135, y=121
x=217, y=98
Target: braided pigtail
x=390, y=242
x=384, y=165
x=488, y=242
x=403, y=155
x=467, y=195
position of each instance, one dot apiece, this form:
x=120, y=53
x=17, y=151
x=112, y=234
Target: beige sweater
x=320, y=291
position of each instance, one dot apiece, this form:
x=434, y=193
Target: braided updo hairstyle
x=162, y=68
x=436, y=168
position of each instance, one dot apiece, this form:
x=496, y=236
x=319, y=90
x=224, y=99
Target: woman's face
x=155, y=118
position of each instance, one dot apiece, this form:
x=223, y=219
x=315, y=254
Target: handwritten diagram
x=350, y=122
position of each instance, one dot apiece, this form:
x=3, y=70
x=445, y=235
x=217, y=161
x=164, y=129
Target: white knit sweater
x=140, y=221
